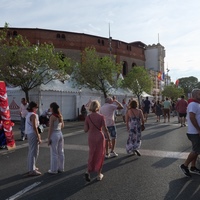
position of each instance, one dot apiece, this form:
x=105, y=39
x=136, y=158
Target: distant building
x=72, y=44
x=155, y=55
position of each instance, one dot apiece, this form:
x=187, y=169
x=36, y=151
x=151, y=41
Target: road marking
x=144, y=152
x=20, y=193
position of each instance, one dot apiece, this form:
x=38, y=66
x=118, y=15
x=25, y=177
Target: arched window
x=58, y=35
x=63, y=36
x=133, y=65
x=14, y=33
x=125, y=68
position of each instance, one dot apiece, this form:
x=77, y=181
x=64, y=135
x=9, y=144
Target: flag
x=177, y=82
x=159, y=76
x=163, y=76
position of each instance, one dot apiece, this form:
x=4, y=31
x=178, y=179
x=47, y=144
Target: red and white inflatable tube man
x=5, y=117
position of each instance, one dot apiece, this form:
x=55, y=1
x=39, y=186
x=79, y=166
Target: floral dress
x=134, y=138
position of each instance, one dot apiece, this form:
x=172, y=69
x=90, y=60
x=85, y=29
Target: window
x=63, y=36
x=58, y=35
x=14, y=33
x=128, y=47
x=125, y=68
x=133, y=65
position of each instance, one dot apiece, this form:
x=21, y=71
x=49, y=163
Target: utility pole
x=167, y=74
x=110, y=41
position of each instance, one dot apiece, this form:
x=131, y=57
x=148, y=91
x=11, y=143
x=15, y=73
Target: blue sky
x=176, y=21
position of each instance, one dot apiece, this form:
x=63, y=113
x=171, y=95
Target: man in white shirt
x=108, y=111
x=193, y=133
x=23, y=113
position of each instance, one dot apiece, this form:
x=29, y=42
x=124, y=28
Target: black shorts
x=195, y=139
x=182, y=115
x=146, y=110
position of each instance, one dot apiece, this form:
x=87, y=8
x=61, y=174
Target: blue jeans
x=113, y=132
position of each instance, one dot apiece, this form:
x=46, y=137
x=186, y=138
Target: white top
x=57, y=125
x=107, y=110
x=194, y=108
x=23, y=110
x=28, y=124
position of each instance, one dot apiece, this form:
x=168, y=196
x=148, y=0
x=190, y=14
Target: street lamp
x=167, y=75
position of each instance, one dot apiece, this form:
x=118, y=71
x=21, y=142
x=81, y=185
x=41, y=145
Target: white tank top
x=28, y=125
x=57, y=125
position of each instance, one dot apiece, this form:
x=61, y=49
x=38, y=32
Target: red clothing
x=181, y=106
x=96, y=141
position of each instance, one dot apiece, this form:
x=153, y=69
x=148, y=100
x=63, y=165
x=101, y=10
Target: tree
x=188, y=84
x=138, y=81
x=172, y=91
x=29, y=66
x=96, y=72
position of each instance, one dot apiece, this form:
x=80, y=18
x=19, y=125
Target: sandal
x=87, y=177
x=137, y=152
x=34, y=173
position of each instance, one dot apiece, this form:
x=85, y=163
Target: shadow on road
x=184, y=188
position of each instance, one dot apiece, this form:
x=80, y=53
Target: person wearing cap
x=108, y=111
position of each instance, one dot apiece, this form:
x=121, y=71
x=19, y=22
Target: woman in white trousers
x=56, y=140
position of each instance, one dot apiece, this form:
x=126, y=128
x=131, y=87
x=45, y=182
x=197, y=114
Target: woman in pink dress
x=96, y=128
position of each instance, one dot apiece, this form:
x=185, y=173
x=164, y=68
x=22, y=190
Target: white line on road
x=20, y=193
x=145, y=152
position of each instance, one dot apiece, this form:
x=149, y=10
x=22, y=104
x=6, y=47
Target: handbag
x=142, y=126
x=40, y=129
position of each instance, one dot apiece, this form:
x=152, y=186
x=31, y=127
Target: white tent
x=144, y=95
x=69, y=97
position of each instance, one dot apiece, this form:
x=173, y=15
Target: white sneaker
x=100, y=177
x=113, y=154
x=51, y=172
x=107, y=156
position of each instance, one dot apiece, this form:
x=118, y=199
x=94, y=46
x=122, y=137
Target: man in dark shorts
x=181, y=107
x=193, y=134
x=147, y=105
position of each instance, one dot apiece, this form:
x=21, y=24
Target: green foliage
x=29, y=66
x=172, y=91
x=96, y=72
x=188, y=84
x=138, y=80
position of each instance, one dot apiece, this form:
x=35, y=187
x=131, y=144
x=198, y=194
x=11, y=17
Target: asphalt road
x=153, y=176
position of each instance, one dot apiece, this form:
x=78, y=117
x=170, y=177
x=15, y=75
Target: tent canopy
x=144, y=94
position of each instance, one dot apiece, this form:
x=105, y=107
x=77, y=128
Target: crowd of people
x=100, y=126
x=166, y=108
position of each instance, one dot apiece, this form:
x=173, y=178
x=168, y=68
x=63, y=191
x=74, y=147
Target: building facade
x=72, y=44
